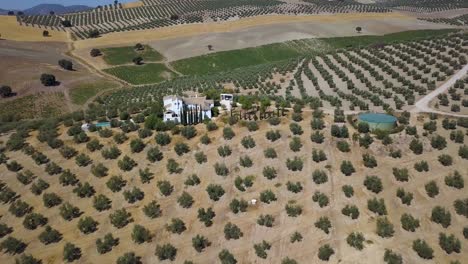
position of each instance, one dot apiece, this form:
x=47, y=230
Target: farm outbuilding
x=378, y=121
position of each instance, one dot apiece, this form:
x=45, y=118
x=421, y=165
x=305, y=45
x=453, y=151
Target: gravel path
x=423, y=104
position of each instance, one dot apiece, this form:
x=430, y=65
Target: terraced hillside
x=154, y=14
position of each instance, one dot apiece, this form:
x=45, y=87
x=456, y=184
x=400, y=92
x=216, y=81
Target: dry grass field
x=284, y=226
x=273, y=20
x=11, y=30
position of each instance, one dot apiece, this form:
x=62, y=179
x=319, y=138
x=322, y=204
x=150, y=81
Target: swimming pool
x=103, y=124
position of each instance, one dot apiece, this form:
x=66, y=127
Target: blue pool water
x=103, y=124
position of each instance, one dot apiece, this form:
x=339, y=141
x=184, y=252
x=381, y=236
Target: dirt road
x=423, y=104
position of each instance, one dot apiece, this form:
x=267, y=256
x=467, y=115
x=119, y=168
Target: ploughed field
x=323, y=190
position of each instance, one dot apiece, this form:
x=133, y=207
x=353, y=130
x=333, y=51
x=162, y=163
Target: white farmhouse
x=175, y=105
x=226, y=100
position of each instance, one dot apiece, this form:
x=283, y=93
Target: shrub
x=401, y=174
x=126, y=163
x=351, y=211
x=421, y=166
x=270, y=153
x=173, y=167
x=261, y=248
x=273, y=135
x=49, y=236
x=154, y=154
x=324, y=224
x=12, y=246
x=438, y=142
x=152, y=210
x=140, y=234
x=102, y=203
x=116, y=183
x=120, y=218
x=445, y=160
x=248, y=142
x=317, y=137
x=69, y=212
x=267, y=196
x=205, y=140
x=463, y=152
x=226, y=257
x=200, y=242
x=188, y=132
x=84, y=190
x=422, y=249
x=232, y=231
x=269, y=172
x=162, y=138
x=369, y=161
x=206, y=216
x=5, y=230
x=461, y=207
x=409, y=223
x=83, y=160
x=294, y=187
x=295, y=145
x=441, y=216
x=228, y=133
x=252, y=126
x=405, y=197
x=373, y=184
x=129, y=258
x=224, y=151
x=165, y=187
x=293, y=210
x=215, y=192
x=71, y=252
x=177, y=226
x=32, y=221
x=296, y=129
x=288, y=260
x=200, y=157
x=27, y=259
x=221, y=169
x=48, y=79
x=237, y=206
x=416, y=146
x=295, y=164
x=87, y=225
x=320, y=198
x=185, y=200
x=325, y=252
x=51, y=199
x=391, y=257
x=166, y=252
x=384, y=228
x=296, y=237
x=343, y=146
x=455, y=180
x=449, y=243
x=348, y=190
x=133, y=195
x=356, y=240
x=181, y=149
x=19, y=208
x=347, y=168
x=266, y=220
x=245, y=161
x=137, y=145
x=377, y=206
x=38, y=187
x=318, y=155
x=192, y=180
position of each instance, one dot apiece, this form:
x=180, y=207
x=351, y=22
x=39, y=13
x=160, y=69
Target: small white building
x=174, y=106
x=226, y=100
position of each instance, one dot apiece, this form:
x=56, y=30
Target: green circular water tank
x=378, y=121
